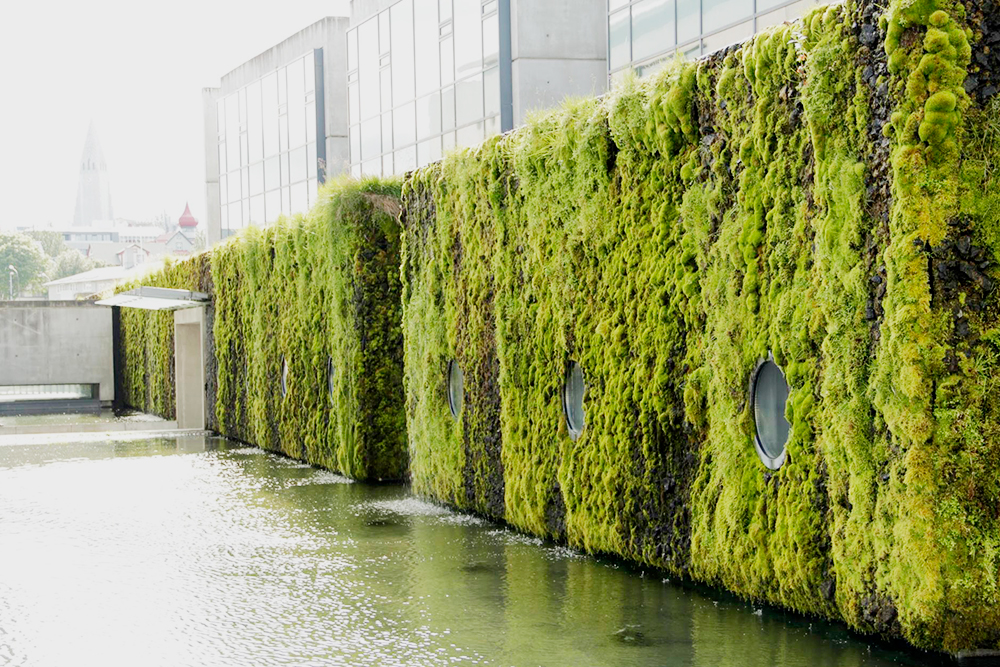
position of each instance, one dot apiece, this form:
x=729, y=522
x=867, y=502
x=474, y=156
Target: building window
x=331, y=375
x=403, y=67
x=456, y=388
x=769, y=395
x=643, y=35
x=284, y=377
x=267, y=143
x=573, y=390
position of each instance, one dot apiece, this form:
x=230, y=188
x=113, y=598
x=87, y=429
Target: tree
x=69, y=263
x=52, y=243
x=200, y=241
x=26, y=256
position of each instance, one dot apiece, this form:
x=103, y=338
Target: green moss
x=667, y=238
x=800, y=195
x=147, y=339
x=320, y=289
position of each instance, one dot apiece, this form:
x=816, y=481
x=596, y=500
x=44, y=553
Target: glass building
x=390, y=89
x=423, y=77
x=402, y=82
x=426, y=76
x=272, y=136
x=269, y=162
x=645, y=34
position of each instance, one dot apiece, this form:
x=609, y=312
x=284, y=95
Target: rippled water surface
x=192, y=551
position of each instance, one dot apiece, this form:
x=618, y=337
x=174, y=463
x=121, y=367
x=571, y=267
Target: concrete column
x=558, y=50
x=213, y=209
x=189, y=360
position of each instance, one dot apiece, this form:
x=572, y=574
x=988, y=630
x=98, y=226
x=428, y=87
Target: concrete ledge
x=982, y=658
x=120, y=427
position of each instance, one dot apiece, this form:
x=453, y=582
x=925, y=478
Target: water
x=193, y=551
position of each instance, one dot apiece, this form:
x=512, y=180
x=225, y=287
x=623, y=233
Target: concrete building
x=275, y=128
x=646, y=34
x=110, y=242
x=93, y=194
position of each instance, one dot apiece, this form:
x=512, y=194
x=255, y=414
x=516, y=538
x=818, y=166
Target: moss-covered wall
x=825, y=192
x=146, y=339
x=318, y=292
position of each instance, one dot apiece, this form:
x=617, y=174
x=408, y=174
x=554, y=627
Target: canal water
x=197, y=551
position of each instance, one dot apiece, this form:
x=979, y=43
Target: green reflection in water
x=168, y=551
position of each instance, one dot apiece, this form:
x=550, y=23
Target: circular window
x=576, y=418
x=284, y=377
x=769, y=394
x=331, y=373
x=456, y=388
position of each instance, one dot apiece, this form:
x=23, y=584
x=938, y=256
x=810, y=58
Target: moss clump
x=320, y=293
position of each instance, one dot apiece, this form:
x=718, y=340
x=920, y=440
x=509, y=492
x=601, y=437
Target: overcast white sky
x=137, y=69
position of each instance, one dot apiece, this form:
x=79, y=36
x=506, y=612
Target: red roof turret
x=187, y=220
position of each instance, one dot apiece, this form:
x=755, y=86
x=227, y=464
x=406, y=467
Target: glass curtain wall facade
x=423, y=77
x=269, y=163
x=645, y=34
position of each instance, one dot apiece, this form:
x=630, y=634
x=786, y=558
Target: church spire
x=93, y=195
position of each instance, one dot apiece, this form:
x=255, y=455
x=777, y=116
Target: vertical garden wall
x=825, y=195
x=306, y=335
x=146, y=340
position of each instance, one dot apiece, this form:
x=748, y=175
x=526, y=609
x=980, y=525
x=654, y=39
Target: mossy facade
x=825, y=193
x=146, y=340
x=305, y=320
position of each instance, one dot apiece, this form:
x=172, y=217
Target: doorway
x=189, y=367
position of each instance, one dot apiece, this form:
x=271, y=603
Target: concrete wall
x=61, y=342
x=558, y=50
x=338, y=147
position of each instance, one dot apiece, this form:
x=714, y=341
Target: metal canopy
x=156, y=298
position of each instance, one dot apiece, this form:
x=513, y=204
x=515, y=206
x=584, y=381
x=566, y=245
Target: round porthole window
x=456, y=388
x=331, y=373
x=769, y=394
x=573, y=388
x=284, y=377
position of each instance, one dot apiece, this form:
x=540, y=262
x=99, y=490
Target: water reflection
x=190, y=551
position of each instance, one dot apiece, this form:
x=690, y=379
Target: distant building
x=131, y=256
x=93, y=194
x=85, y=284
x=187, y=222
x=105, y=243
x=174, y=243
x=110, y=233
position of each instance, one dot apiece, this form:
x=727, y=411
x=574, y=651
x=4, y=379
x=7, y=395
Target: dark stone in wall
x=872, y=62
x=983, y=80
